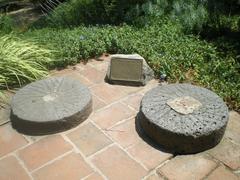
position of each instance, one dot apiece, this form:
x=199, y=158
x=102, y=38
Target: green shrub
x=76, y=12
x=6, y=24
x=190, y=13
x=165, y=47
x=21, y=61
x=194, y=16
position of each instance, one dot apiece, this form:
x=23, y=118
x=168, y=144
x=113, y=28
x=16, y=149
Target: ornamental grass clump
x=21, y=62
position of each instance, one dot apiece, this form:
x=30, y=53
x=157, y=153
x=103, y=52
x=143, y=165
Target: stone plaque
x=126, y=69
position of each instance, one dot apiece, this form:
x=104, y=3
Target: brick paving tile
x=154, y=177
x=187, y=167
x=92, y=74
x=130, y=89
x=151, y=84
x=228, y=153
x=148, y=155
x=94, y=176
x=35, y=138
x=10, y=140
x=108, y=93
x=10, y=169
x=116, y=164
x=107, y=117
x=125, y=133
x=44, y=150
x=72, y=74
x=221, y=173
x=97, y=103
x=134, y=101
x=89, y=139
x=233, y=127
x=80, y=66
x=69, y=167
x=100, y=65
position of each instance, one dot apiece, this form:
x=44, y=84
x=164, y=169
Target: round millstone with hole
x=183, y=118
x=51, y=105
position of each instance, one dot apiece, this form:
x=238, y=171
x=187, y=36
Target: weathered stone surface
x=5, y=100
x=49, y=106
x=4, y=114
x=128, y=69
x=183, y=133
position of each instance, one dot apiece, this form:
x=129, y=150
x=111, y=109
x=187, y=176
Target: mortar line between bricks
x=132, y=157
x=94, y=84
x=100, y=100
x=91, y=83
x=91, y=120
x=7, y=155
x=232, y=141
x=160, y=172
x=16, y=150
x=79, y=74
x=129, y=155
x=107, y=105
x=93, y=66
x=84, y=178
x=116, y=101
x=5, y=122
x=161, y=165
x=75, y=128
x=23, y=166
x=51, y=161
x=221, y=163
x=32, y=141
x=218, y=160
x=130, y=107
x=218, y=164
x=150, y=174
x=94, y=168
x=133, y=94
x=208, y=174
x=90, y=157
x=116, y=124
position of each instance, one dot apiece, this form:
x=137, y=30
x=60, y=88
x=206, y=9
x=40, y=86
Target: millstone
x=49, y=106
x=183, y=118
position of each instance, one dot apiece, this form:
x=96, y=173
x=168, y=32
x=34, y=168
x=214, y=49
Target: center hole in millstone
x=184, y=105
x=50, y=97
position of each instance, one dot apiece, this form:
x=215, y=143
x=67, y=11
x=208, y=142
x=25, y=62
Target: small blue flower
x=82, y=37
x=161, y=53
x=163, y=77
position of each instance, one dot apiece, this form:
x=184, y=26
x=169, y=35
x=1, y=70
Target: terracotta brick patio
x=107, y=145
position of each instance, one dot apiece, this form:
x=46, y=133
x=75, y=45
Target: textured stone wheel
x=49, y=106
x=183, y=118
